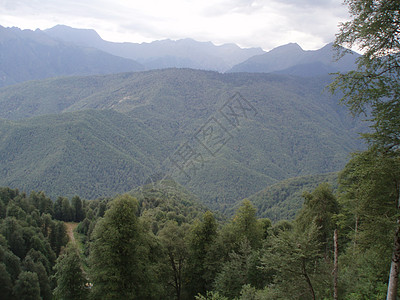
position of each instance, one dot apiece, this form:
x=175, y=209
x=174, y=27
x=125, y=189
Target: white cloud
x=249, y=23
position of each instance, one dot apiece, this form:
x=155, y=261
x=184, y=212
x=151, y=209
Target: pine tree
x=320, y=206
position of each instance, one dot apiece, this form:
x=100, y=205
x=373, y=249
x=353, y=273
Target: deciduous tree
x=27, y=286
x=204, y=262
x=173, y=239
x=69, y=275
x=375, y=85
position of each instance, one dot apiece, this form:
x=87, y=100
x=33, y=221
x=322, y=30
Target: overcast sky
x=248, y=23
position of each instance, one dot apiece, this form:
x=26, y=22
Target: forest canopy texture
x=157, y=242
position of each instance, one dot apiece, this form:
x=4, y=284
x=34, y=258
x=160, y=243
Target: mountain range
x=265, y=129
x=27, y=55
x=293, y=60
x=184, y=53
x=65, y=51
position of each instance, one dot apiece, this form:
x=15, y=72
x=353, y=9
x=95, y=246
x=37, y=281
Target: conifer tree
x=119, y=254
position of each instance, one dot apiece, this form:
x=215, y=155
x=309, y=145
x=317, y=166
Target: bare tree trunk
x=335, y=265
x=308, y=279
x=355, y=235
x=394, y=267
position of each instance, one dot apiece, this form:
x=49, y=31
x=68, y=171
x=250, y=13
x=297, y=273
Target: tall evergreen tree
x=5, y=283
x=296, y=260
x=369, y=189
x=58, y=211
x=235, y=272
x=246, y=225
x=119, y=254
x=37, y=267
x=58, y=236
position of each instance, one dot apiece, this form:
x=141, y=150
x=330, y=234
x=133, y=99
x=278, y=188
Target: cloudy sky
x=248, y=23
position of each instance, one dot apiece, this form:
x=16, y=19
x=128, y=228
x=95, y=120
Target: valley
x=193, y=170
x=95, y=136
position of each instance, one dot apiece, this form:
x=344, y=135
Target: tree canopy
x=375, y=86
x=374, y=89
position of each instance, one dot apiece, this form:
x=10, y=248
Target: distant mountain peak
x=293, y=60
x=66, y=33
x=288, y=48
x=28, y=55
x=159, y=54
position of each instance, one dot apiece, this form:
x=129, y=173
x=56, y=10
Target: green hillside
x=222, y=136
x=167, y=200
x=281, y=201
x=90, y=153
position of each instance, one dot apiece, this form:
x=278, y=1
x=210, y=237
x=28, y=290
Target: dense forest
x=101, y=135
x=159, y=242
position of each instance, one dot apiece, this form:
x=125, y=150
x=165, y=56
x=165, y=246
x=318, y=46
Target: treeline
x=33, y=237
x=250, y=258
x=160, y=245
x=146, y=249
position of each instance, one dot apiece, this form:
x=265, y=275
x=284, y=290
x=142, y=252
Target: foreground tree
x=69, y=275
x=319, y=208
x=375, y=30
x=235, y=272
x=369, y=189
x=30, y=265
x=27, y=286
x=296, y=260
x=175, y=249
x=204, y=258
x=5, y=283
x=119, y=254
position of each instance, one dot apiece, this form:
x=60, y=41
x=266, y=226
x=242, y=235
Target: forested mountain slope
x=90, y=153
x=223, y=136
x=282, y=201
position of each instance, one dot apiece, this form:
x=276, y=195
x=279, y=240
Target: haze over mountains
x=223, y=136
x=291, y=59
x=65, y=51
x=27, y=55
x=185, y=53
